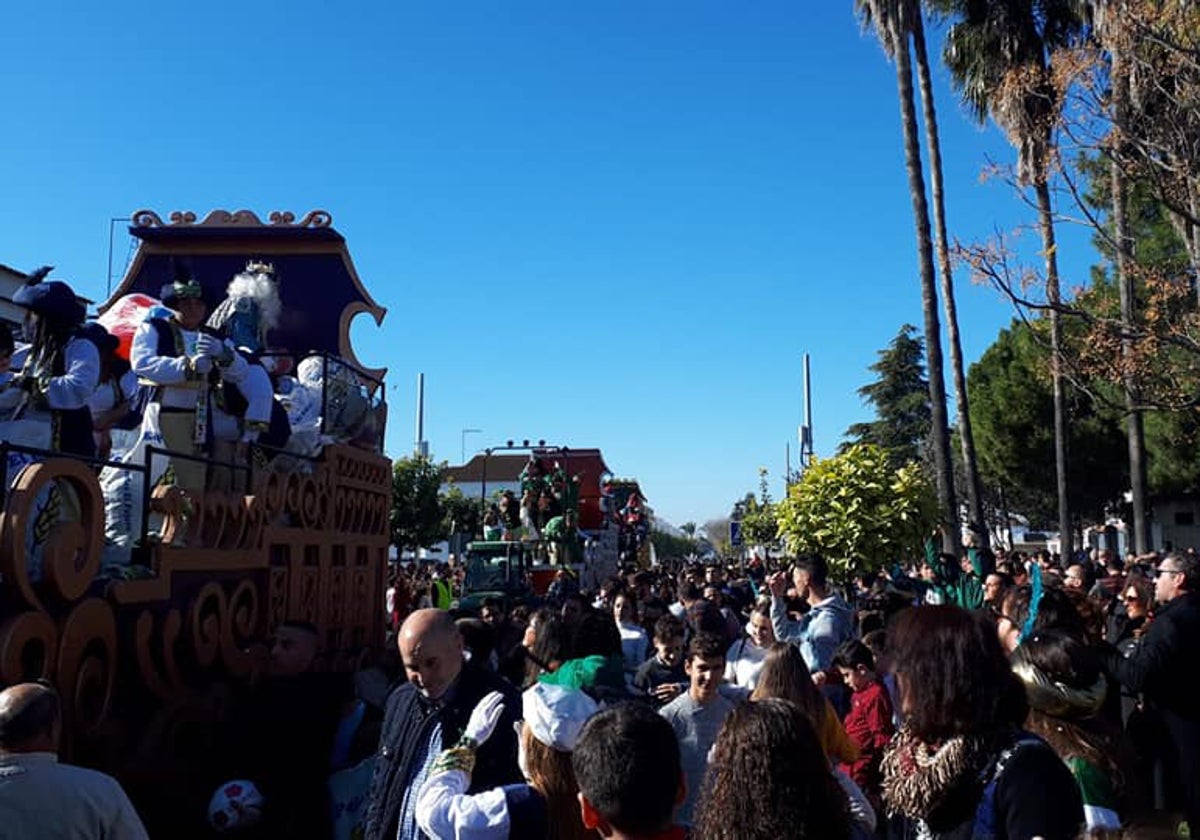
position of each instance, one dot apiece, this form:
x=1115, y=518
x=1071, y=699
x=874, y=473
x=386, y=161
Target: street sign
x=735, y=534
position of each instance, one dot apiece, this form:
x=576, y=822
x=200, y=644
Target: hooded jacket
x=818, y=632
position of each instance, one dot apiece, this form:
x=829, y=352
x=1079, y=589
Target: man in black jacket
x=1161, y=667
x=427, y=714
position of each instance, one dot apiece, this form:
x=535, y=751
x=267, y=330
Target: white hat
x=555, y=715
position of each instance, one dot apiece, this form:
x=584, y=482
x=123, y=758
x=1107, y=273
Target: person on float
x=173, y=355
x=246, y=411
x=62, y=366
x=545, y=806
x=110, y=403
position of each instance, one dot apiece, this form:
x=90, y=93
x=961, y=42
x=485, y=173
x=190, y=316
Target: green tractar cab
x=497, y=569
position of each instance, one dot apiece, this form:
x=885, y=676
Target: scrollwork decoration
x=87, y=663
x=28, y=647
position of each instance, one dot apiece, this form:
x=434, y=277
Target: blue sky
x=615, y=225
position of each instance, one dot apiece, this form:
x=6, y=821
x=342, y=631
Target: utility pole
x=806, y=430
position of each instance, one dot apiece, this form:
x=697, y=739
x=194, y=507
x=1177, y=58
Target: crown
x=259, y=267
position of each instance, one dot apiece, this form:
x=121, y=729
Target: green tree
x=460, y=515
x=896, y=22
x=758, y=515
x=417, y=516
x=1012, y=405
x=669, y=546
x=689, y=529
x=900, y=397
x=859, y=511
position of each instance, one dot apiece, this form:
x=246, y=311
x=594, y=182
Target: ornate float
x=147, y=660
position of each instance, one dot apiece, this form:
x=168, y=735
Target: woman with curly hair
x=769, y=780
x=961, y=766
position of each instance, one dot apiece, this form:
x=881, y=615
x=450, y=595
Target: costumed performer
x=62, y=368
x=175, y=356
x=546, y=805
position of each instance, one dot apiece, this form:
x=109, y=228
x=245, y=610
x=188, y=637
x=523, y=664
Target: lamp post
x=466, y=432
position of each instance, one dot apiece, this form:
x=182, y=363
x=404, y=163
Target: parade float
x=564, y=514
x=146, y=606
x=632, y=517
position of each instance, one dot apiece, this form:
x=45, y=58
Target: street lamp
x=466, y=432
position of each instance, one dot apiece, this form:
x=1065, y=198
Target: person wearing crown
x=173, y=355
x=62, y=366
x=245, y=410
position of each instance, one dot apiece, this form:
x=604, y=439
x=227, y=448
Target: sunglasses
x=1129, y=598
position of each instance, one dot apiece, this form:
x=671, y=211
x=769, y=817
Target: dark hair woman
x=961, y=766
x=547, y=644
x=769, y=780
x=1055, y=609
x=1066, y=690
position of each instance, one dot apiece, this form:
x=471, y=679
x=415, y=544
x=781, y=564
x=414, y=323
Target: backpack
x=986, y=818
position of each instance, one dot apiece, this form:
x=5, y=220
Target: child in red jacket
x=869, y=721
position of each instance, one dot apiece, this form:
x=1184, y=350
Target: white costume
x=555, y=716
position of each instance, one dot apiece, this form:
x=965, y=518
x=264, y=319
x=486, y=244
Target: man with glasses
x=1161, y=668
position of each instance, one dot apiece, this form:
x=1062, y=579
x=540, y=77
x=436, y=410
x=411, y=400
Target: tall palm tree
x=1109, y=31
x=893, y=22
x=997, y=52
x=966, y=436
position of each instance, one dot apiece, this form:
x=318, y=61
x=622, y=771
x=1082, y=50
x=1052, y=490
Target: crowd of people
x=1000, y=696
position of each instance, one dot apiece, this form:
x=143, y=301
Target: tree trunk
x=1054, y=297
x=1194, y=238
x=965, y=435
x=1136, y=436
x=939, y=433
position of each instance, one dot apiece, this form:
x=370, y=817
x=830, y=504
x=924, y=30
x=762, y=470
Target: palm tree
x=1107, y=22
x=893, y=21
x=998, y=56
x=966, y=436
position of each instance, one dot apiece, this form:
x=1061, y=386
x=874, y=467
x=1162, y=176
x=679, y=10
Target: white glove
x=209, y=345
x=202, y=364
x=484, y=718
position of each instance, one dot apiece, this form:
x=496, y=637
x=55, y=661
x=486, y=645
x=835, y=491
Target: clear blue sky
x=615, y=225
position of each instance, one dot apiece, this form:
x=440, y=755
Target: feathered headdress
x=1035, y=601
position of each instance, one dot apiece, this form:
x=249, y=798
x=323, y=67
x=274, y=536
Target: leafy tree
x=689, y=529
x=758, y=515
x=1012, y=404
x=671, y=546
x=858, y=510
x=461, y=515
x=900, y=398
x=417, y=516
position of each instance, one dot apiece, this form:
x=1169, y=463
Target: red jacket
x=869, y=725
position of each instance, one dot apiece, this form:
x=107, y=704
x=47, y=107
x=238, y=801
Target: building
x=10, y=281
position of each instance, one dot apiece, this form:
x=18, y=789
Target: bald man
x=426, y=714
x=40, y=797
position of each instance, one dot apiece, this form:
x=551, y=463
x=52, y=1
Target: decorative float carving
x=238, y=218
